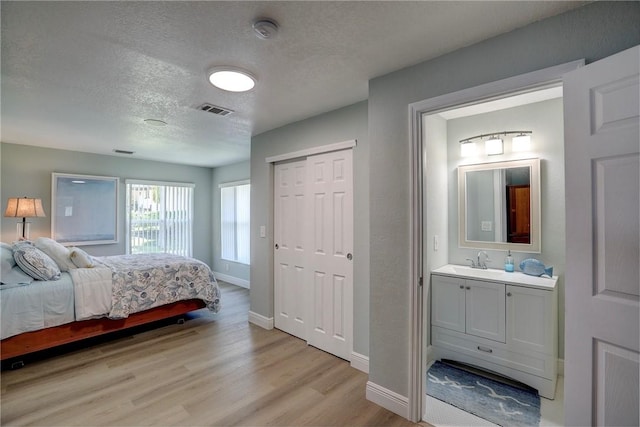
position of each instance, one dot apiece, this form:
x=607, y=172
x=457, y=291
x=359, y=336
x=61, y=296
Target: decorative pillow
x=80, y=258
x=60, y=254
x=10, y=273
x=36, y=263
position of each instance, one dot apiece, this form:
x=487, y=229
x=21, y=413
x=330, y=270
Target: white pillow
x=80, y=258
x=56, y=252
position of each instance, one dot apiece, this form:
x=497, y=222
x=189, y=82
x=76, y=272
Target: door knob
x=277, y=247
x=349, y=256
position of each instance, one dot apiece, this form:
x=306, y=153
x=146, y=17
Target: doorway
x=453, y=117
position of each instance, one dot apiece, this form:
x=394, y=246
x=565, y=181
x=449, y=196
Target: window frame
x=158, y=183
x=222, y=254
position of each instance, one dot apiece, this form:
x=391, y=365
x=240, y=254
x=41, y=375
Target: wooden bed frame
x=29, y=342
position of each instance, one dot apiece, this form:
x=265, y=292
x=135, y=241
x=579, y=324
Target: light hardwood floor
x=213, y=370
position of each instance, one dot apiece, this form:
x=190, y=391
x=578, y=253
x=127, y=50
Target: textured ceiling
x=84, y=75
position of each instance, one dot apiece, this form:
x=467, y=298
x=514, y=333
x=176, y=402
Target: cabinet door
x=447, y=302
x=530, y=319
x=485, y=316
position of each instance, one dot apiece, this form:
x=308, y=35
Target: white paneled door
x=330, y=215
x=602, y=284
x=290, y=254
x=314, y=250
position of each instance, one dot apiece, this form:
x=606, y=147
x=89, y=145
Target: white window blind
x=159, y=217
x=235, y=221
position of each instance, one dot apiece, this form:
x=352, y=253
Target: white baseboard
x=260, y=320
x=360, y=362
x=233, y=280
x=388, y=399
x=561, y=367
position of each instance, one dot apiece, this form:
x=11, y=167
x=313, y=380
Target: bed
x=51, y=295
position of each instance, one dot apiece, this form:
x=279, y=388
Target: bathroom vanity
x=503, y=322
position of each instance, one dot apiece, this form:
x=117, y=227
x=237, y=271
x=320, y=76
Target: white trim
x=560, y=370
x=311, y=151
x=260, y=320
x=233, y=280
x=159, y=183
x=523, y=83
x=360, y=362
x=388, y=399
x=234, y=183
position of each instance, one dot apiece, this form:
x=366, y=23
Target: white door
x=290, y=248
x=602, y=280
x=330, y=229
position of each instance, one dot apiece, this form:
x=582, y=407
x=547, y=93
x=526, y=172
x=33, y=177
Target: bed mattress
x=39, y=305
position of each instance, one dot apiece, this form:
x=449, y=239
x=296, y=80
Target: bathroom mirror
x=499, y=205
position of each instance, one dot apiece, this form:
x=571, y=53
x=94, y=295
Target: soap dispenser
x=508, y=263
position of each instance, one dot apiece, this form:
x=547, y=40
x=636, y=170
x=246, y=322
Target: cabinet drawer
x=532, y=362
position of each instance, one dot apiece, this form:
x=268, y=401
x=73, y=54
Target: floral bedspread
x=144, y=281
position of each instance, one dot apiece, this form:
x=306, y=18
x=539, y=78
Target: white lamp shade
x=493, y=146
x=24, y=208
x=521, y=143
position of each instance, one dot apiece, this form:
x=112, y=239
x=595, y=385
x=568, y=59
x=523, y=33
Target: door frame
x=419, y=312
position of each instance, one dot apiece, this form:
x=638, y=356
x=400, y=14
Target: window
x=159, y=217
x=234, y=221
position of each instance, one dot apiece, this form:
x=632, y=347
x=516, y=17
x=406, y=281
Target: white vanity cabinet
x=469, y=306
x=503, y=322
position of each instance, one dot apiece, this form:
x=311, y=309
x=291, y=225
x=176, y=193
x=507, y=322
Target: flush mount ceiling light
x=231, y=79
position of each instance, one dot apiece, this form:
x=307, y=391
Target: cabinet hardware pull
x=508, y=294
x=485, y=349
x=461, y=286
x=468, y=287
x=277, y=246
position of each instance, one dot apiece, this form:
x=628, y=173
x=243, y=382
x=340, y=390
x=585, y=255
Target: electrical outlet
x=226, y=266
x=436, y=243
x=263, y=231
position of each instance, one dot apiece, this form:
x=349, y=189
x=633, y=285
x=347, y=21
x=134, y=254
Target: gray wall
x=235, y=172
x=592, y=32
x=545, y=120
x=26, y=171
x=337, y=126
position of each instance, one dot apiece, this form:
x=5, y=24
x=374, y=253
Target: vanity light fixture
x=521, y=142
x=468, y=149
x=495, y=144
x=231, y=79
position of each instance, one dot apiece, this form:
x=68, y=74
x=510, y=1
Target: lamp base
x=23, y=230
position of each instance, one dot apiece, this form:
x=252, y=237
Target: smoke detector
x=265, y=28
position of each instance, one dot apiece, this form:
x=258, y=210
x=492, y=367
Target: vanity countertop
x=494, y=275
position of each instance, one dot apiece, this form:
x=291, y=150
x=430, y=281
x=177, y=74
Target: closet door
x=330, y=228
x=290, y=254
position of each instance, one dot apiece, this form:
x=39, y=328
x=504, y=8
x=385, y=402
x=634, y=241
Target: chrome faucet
x=481, y=264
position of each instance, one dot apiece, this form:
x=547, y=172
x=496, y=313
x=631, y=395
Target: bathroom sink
x=467, y=271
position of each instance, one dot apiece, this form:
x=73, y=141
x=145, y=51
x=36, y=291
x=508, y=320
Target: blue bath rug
x=494, y=401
